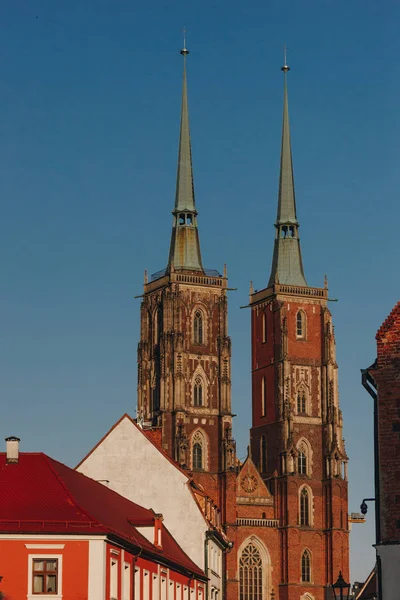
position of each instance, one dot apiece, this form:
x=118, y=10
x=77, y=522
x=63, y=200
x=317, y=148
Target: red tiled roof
x=41, y=495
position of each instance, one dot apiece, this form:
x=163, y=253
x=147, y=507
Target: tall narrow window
x=304, y=507
x=250, y=574
x=113, y=579
x=197, y=456
x=263, y=397
x=198, y=392
x=198, y=328
x=301, y=324
x=306, y=566
x=302, y=462
x=264, y=327
x=301, y=402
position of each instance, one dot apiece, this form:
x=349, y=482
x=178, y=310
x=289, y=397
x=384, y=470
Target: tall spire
x=287, y=264
x=185, y=244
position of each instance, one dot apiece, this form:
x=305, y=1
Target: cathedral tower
x=296, y=434
x=184, y=354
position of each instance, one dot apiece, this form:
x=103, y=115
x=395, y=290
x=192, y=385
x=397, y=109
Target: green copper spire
x=185, y=244
x=287, y=265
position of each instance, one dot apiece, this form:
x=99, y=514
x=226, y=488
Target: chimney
x=12, y=449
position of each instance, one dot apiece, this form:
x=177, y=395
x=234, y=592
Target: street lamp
x=341, y=589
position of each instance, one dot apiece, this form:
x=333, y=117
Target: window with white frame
x=146, y=585
x=263, y=397
x=163, y=588
x=127, y=581
x=137, y=582
x=301, y=325
x=114, y=579
x=155, y=591
x=305, y=507
x=45, y=575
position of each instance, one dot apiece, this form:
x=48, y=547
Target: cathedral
x=285, y=509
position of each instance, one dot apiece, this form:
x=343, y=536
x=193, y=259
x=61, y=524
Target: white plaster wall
x=137, y=470
x=390, y=565
x=97, y=570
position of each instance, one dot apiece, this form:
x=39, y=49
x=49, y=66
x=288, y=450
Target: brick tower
x=184, y=353
x=296, y=434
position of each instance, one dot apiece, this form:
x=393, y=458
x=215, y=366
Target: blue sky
x=90, y=99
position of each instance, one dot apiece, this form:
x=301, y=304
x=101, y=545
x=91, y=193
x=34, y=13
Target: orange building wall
x=14, y=566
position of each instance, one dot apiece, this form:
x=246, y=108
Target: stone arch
x=253, y=555
x=304, y=456
x=199, y=450
x=307, y=596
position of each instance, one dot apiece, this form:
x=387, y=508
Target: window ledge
x=44, y=596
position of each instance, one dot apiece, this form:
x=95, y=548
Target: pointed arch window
x=301, y=402
x=199, y=451
x=250, y=574
x=304, y=507
x=306, y=566
x=197, y=456
x=302, y=462
x=301, y=325
x=198, y=392
x=198, y=328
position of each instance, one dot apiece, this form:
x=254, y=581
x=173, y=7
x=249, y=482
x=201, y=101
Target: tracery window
x=301, y=402
x=251, y=574
x=197, y=456
x=304, y=507
x=199, y=451
x=198, y=327
x=302, y=462
x=306, y=566
x=198, y=392
x=301, y=324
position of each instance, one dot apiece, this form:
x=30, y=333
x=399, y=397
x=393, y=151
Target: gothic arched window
x=306, y=566
x=251, y=574
x=302, y=462
x=301, y=324
x=198, y=392
x=199, y=451
x=301, y=401
x=198, y=327
x=197, y=456
x=304, y=507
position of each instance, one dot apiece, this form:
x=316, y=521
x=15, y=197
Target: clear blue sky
x=90, y=99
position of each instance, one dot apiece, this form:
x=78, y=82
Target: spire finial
x=285, y=67
x=184, y=50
